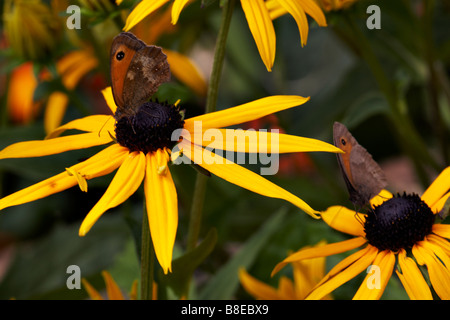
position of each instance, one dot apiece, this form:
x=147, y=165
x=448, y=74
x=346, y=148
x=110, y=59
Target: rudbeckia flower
x=259, y=15
x=140, y=147
x=113, y=291
x=399, y=230
x=306, y=275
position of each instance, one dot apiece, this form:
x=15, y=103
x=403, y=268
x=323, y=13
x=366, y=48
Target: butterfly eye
x=343, y=142
x=120, y=55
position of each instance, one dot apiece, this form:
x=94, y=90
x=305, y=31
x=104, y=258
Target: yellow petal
x=295, y=10
x=107, y=94
x=102, y=163
x=243, y=177
x=313, y=9
x=177, y=7
x=442, y=230
x=80, y=67
x=244, y=113
x=252, y=141
x=82, y=183
x=412, y=279
x=126, y=181
x=185, y=70
x=349, y=273
x=55, y=110
x=384, y=262
x=162, y=208
x=439, y=274
x=112, y=289
x=344, y=220
x=39, y=148
x=261, y=27
x=380, y=198
x=143, y=9
x=321, y=251
x=438, y=188
x=258, y=289
x=103, y=125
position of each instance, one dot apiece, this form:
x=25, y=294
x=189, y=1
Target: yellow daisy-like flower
x=306, y=274
x=401, y=228
x=140, y=148
x=113, y=291
x=259, y=15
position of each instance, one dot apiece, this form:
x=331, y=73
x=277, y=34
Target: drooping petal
x=438, y=188
x=262, y=29
x=126, y=181
x=384, y=264
x=344, y=220
x=177, y=7
x=107, y=94
x=103, y=125
x=313, y=9
x=412, y=279
x=345, y=275
x=55, y=110
x=112, y=289
x=143, y=9
x=186, y=71
x=102, y=163
x=440, y=242
x=322, y=251
x=91, y=291
x=295, y=9
x=439, y=274
x=256, y=288
x=252, y=141
x=162, y=207
x=243, y=113
x=241, y=176
x=39, y=148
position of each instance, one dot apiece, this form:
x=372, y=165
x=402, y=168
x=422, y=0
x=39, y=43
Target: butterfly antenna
x=99, y=132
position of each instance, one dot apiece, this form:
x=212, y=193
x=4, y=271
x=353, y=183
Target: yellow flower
x=140, y=150
x=113, y=291
x=32, y=29
x=306, y=274
x=259, y=15
x=71, y=68
x=398, y=227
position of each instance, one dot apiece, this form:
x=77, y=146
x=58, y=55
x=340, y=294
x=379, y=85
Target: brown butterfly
x=362, y=175
x=137, y=70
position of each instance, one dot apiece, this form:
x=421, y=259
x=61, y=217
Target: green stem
x=147, y=260
x=211, y=100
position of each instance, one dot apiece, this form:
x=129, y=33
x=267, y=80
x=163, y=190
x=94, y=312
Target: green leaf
x=226, y=280
x=368, y=105
x=184, y=266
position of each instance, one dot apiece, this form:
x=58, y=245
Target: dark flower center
x=399, y=222
x=150, y=128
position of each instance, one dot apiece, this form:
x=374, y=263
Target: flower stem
x=147, y=260
x=211, y=100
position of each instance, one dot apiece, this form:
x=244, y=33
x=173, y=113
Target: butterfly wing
x=123, y=48
x=147, y=71
x=368, y=177
x=362, y=175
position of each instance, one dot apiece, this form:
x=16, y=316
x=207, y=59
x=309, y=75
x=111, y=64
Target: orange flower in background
x=21, y=106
